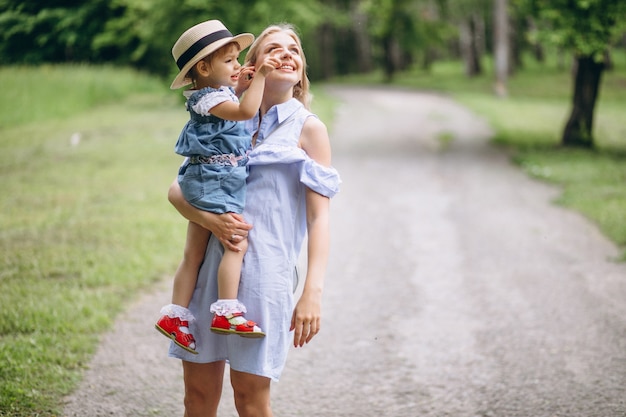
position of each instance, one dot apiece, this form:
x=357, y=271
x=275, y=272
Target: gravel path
x=455, y=288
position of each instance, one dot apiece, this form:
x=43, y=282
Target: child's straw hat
x=199, y=41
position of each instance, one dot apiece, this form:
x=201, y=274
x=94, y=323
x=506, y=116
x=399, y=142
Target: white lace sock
x=226, y=307
x=174, y=310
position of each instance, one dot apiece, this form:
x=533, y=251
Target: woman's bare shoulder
x=315, y=141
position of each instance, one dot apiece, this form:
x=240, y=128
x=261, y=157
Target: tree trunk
x=390, y=64
x=469, y=47
x=517, y=32
x=326, y=40
x=537, y=48
x=428, y=57
x=363, y=45
x=501, y=46
x=579, y=128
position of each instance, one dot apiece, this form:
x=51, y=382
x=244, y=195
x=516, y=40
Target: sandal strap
x=186, y=337
x=248, y=323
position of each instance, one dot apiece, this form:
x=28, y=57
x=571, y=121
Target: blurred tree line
x=339, y=36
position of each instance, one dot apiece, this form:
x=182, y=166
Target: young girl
x=216, y=144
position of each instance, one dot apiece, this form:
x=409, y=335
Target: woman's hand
x=229, y=228
x=306, y=319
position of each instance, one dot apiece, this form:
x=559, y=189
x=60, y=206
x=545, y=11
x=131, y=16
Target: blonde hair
x=301, y=90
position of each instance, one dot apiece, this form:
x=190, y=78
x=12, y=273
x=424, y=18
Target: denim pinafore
x=214, y=177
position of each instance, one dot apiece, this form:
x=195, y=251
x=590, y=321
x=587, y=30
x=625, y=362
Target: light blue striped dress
x=279, y=174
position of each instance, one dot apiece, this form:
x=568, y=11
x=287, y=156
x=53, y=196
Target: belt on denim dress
x=223, y=159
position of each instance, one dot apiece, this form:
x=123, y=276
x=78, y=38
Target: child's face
x=224, y=67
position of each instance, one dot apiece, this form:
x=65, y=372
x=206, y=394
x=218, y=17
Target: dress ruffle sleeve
x=319, y=178
x=210, y=99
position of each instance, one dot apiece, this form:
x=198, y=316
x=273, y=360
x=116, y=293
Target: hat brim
x=244, y=40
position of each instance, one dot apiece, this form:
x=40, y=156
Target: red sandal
x=236, y=323
x=178, y=330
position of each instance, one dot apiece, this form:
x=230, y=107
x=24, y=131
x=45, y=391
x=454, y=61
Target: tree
x=469, y=39
x=52, y=31
x=402, y=29
x=501, y=46
x=587, y=28
x=470, y=17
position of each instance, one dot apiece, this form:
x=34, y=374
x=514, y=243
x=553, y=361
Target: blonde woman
x=289, y=187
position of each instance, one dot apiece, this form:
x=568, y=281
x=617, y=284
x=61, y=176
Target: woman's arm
x=306, y=318
x=223, y=226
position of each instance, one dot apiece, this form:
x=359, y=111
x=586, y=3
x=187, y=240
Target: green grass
x=51, y=92
x=323, y=105
x=83, y=228
x=594, y=183
x=530, y=122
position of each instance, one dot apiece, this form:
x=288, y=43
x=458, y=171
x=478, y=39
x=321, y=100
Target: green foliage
x=52, y=31
x=415, y=27
x=147, y=30
x=587, y=27
x=133, y=32
x=84, y=225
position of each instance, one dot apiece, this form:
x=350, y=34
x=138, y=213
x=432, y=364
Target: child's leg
x=176, y=316
x=228, y=310
x=229, y=272
x=187, y=272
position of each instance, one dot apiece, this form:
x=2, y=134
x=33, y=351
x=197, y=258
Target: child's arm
x=251, y=101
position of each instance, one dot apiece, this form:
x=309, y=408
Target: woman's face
x=283, y=47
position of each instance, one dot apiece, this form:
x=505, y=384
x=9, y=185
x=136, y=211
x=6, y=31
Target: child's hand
x=268, y=65
x=243, y=81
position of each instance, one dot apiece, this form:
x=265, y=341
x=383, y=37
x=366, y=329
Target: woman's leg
x=252, y=394
x=203, y=388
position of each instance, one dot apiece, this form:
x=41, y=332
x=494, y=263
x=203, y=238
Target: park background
x=88, y=124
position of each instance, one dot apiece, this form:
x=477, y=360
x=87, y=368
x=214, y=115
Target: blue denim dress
x=215, y=177
x=280, y=173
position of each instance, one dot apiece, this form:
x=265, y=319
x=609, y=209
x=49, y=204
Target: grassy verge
x=86, y=156
x=51, y=92
x=84, y=224
x=530, y=121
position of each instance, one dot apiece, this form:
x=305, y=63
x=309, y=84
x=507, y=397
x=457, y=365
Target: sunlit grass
x=46, y=92
x=84, y=225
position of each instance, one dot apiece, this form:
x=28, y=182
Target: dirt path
x=455, y=287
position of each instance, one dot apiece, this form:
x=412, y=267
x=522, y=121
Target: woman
x=288, y=191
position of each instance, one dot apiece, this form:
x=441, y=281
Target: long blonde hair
x=301, y=90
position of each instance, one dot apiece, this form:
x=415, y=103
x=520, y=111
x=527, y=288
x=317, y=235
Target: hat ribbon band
x=199, y=45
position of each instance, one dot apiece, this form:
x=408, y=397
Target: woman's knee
x=252, y=394
x=203, y=388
